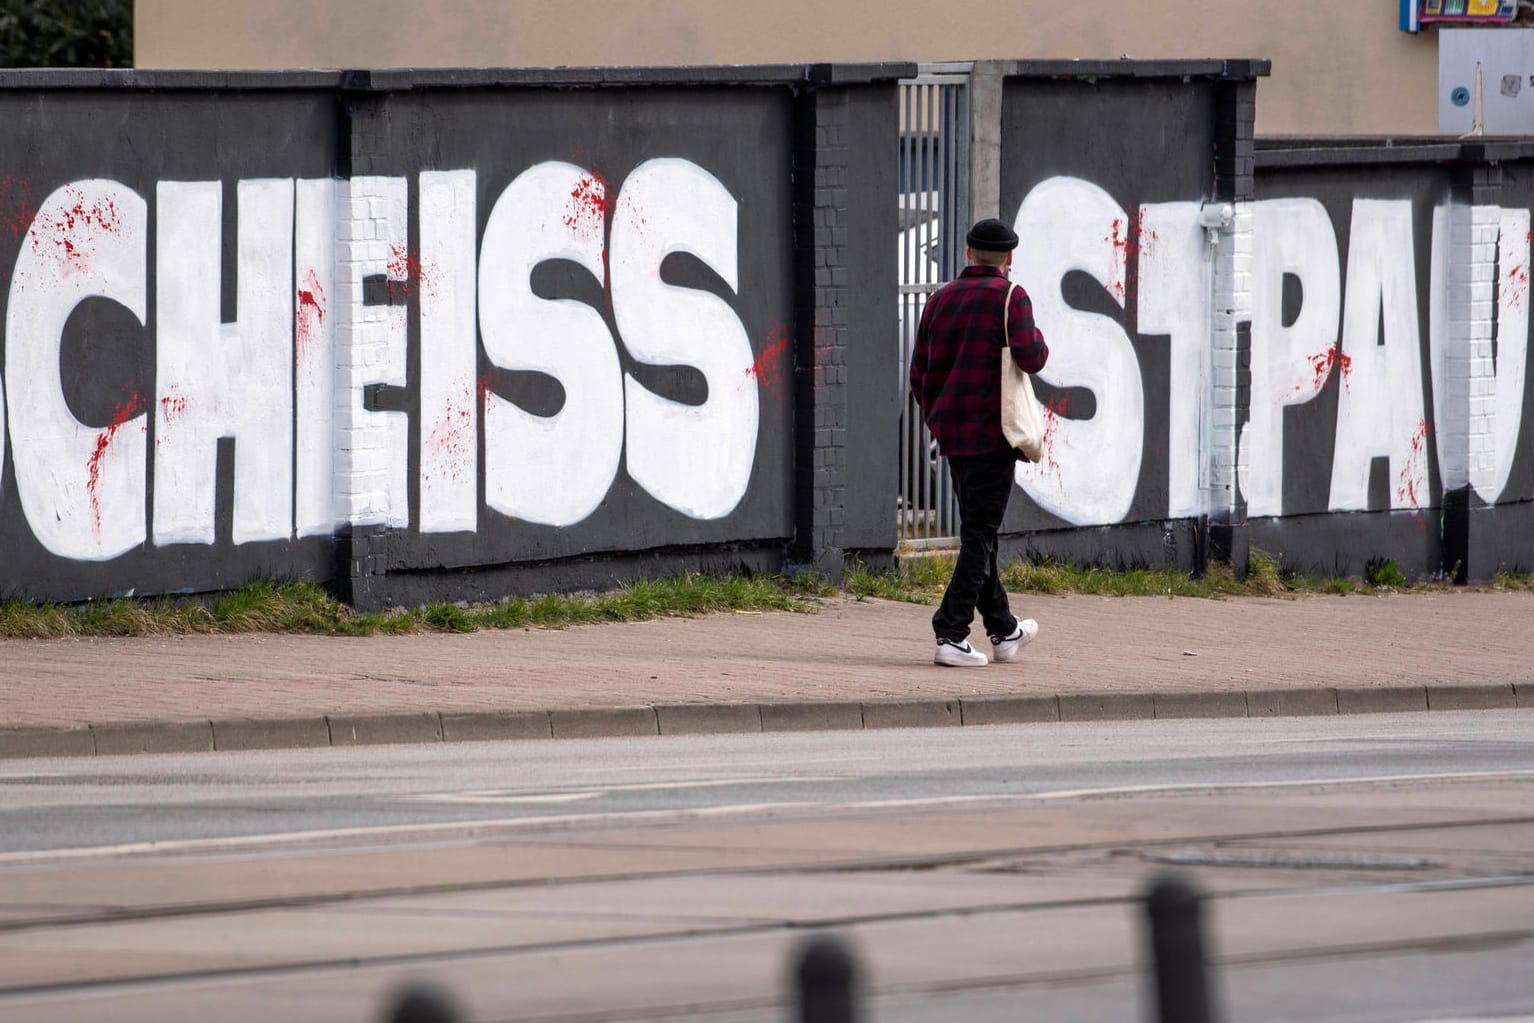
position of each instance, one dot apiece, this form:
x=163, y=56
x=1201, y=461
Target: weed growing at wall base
x=922, y=580
x=306, y=607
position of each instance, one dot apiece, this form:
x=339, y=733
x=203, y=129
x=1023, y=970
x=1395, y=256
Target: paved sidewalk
x=852, y=665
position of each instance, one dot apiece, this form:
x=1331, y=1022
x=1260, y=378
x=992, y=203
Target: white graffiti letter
x=1174, y=291
x=82, y=488
x=1290, y=364
x=1489, y=475
x=1380, y=412
x=449, y=426
x=549, y=469
x=223, y=380
x=1091, y=467
x=314, y=356
x=695, y=458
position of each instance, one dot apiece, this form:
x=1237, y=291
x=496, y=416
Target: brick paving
x=850, y=651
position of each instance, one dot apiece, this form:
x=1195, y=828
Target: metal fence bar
x=937, y=272
x=910, y=425
x=934, y=157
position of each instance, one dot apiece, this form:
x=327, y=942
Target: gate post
x=985, y=82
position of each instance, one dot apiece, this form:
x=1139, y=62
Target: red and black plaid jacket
x=956, y=366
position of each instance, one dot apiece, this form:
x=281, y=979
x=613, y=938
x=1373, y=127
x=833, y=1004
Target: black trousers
x=983, y=484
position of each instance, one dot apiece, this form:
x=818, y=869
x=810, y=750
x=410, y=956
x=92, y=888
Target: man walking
x=956, y=377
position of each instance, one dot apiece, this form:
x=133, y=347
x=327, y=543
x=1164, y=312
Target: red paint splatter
x=590, y=202
x=18, y=206
x=70, y=231
x=1053, y=411
x=1322, y=364
x=310, y=314
x=1117, y=236
x=120, y=416
x=1516, y=283
x=1126, y=239
x=453, y=440
x=1406, y=480
x=1147, y=239
x=408, y=275
x=173, y=407
x=768, y=367
x=1119, y=239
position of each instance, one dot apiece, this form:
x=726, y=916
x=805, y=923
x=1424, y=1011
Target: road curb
x=1010, y=710
x=605, y=723
x=496, y=725
x=1381, y=699
x=1107, y=706
x=912, y=714
x=46, y=741
x=384, y=729
x=1288, y=703
x=811, y=716
x=117, y=738
x=1201, y=705
x=1488, y=697
x=237, y=734
x=709, y=718
x=120, y=738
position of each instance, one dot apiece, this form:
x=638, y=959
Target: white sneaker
x=958, y=655
x=1006, y=648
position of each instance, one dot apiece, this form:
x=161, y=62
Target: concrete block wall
x=781, y=264
x=1354, y=377
x=781, y=244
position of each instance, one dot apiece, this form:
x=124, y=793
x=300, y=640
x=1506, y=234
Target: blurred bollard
x=826, y=975
x=421, y=1003
x=1177, y=944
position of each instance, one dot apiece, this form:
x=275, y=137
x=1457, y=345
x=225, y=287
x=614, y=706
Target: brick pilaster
x=372, y=266
x=822, y=282
x=1228, y=397
x=1466, y=408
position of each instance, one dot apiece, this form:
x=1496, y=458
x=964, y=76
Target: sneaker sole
x=982, y=662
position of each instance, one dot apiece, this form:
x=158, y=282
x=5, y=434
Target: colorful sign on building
x=1415, y=12
x=1467, y=10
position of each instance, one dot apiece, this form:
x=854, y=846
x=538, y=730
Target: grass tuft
x=305, y=607
x=1384, y=573
x=1513, y=581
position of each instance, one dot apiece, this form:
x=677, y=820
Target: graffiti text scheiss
x=295, y=379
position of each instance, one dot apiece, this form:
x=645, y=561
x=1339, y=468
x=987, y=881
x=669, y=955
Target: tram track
x=968, y=858
x=683, y=900
x=1449, y=943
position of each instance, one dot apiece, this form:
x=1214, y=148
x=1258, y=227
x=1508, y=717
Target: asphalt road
x=1364, y=868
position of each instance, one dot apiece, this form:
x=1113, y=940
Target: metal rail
x=934, y=204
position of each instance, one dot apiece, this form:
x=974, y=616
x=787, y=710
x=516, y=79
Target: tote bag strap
x=1006, y=313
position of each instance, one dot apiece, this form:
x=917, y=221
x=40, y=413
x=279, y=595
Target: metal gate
x=934, y=214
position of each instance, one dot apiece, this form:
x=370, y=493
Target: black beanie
x=991, y=235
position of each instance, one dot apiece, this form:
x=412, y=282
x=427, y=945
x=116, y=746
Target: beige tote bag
x=1021, y=423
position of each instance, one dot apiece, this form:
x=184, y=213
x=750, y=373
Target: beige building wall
x=1338, y=68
